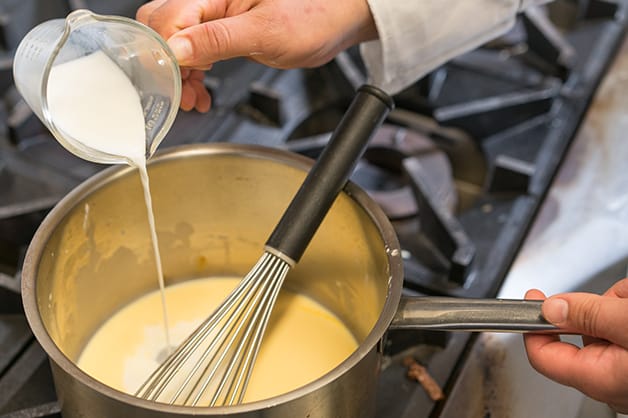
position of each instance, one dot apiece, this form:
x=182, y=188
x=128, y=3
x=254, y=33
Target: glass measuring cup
x=141, y=54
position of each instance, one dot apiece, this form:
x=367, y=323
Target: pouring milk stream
x=92, y=99
x=108, y=88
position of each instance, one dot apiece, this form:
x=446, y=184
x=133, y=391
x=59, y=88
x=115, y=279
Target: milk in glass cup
x=107, y=87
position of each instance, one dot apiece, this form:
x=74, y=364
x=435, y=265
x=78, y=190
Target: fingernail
x=555, y=310
x=182, y=49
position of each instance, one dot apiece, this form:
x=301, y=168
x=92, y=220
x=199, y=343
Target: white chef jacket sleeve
x=417, y=36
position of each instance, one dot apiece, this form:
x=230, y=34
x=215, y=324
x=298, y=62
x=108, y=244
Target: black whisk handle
x=331, y=171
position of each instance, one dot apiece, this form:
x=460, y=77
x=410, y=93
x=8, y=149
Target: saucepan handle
x=463, y=314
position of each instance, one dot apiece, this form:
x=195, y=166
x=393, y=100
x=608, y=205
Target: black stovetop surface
x=498, y=120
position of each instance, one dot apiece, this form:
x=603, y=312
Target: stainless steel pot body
x=215, y=206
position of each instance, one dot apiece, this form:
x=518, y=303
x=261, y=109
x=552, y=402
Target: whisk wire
x=154, y=386
x=244, y=309
x=229, y=329
x=234, y=331
x=253, y=340
x=262, y=303
x=162, y=377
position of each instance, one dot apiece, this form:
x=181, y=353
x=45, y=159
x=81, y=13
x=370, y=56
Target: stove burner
x=381, y=171
x=382, y=174
x=410, y=175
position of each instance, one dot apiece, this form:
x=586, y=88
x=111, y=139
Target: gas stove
x=460, y=167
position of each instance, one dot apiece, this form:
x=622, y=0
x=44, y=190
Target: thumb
x=201, y=45
x=590, y=314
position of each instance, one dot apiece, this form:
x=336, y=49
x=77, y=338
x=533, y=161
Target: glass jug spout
x=79, y=17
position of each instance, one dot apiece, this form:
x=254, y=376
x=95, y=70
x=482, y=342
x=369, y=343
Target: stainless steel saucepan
x=215, y=205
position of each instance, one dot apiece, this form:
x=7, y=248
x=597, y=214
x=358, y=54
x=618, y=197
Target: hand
x=600, y=368
x=277, y=33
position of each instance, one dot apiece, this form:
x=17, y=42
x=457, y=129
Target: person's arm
x=277, y=33
x=416, y=37
x=599, y=368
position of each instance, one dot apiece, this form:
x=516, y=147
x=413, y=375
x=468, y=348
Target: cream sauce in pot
x=303, y=341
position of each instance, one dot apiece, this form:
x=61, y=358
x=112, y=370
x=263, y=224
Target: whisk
x=214, y=364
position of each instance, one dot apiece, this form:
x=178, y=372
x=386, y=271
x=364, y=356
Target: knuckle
x=142, y=14
x=271, y=45
x=145, y=11
x=156, y=21
x=218, y=39
x=588, y=316
x=621, y=288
